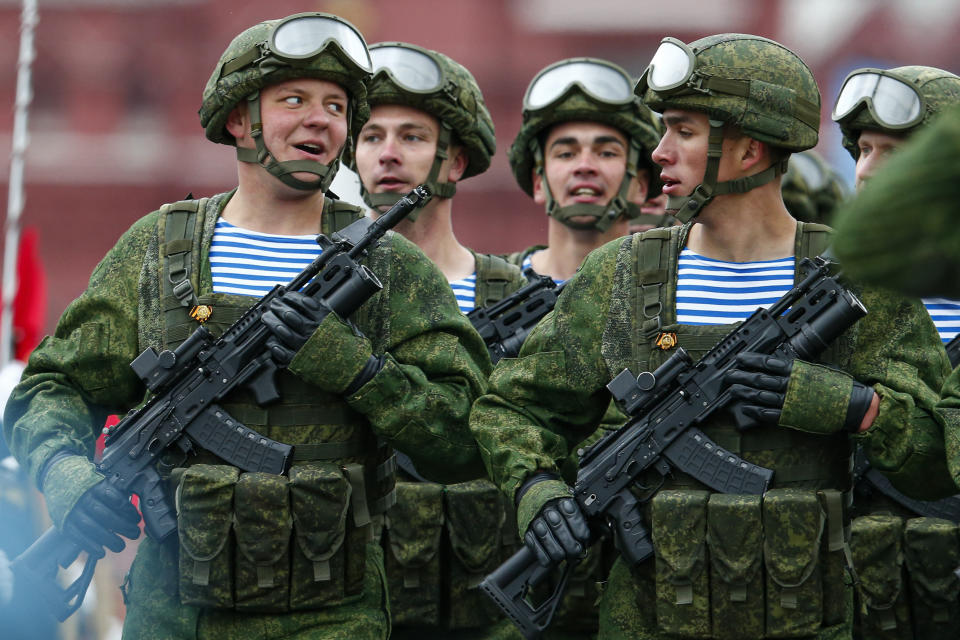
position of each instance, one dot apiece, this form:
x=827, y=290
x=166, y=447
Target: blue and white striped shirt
x=711, y=292
x=464, y=290
x=946, y=316
x=250, y=263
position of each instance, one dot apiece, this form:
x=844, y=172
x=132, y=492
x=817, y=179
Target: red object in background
x=30, y=302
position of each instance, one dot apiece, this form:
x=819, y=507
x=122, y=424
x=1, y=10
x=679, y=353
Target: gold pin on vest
x=201, y=313
x=667, y=341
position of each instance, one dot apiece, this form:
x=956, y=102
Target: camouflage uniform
x=260, y=555
x=725, y=565
x=442, y=539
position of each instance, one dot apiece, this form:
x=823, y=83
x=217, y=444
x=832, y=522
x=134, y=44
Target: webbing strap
x=176, y=251
x=493, y=278
x=358, y=498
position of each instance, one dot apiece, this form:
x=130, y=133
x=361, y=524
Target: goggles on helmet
x=812, y=173
x=671, y=67
x=892, y=102
x=410, y=69
x=305, y=36
x=602, y=81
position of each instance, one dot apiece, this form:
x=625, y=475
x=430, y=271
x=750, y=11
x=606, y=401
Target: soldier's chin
x=307, y=177
x=583, y=221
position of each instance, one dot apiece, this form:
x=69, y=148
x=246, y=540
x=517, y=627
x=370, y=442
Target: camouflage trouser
x=627, y=608
x=154, y=610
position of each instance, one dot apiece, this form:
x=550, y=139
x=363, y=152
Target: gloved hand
x=317, y=346
x=292, y=318
x=94, y=518
x=799, y=395
x=559, y=531
x=758, y=384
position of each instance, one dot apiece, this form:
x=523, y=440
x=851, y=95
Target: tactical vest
x=441, y=540
x=723, y=577
x=517, y=257
x=257, y=541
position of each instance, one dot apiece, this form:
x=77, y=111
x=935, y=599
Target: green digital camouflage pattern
x=931, y=553
x=811, y=189
x=735, y=542
x=224, y=92
x=435, y=363
x=782, y=103
x=543, y=403
x=65, y=482
x=496, y=278
x=459, y=105
x=940, y=90
x=919, y=258
x=948, y=413
x=876, y=545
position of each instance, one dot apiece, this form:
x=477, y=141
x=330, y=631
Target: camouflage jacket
x=543, y=403
x=435, y=364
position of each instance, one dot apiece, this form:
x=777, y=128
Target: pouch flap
x=415, y=523
x=205, y=509
x=319, y=500
x=679, y=527
x=262, y=516
x=932, y=554
x=875, y=543
x=793, y=523
x=475, y=518
x=735, y=537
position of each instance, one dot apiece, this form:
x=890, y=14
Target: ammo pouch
x=876, y=543
x=268, y=543
x=932, y=552
x=746, y=566
x=441, y=542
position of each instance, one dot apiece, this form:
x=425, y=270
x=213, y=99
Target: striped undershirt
x=250, y=263
x=946, y=316
x=716, y=292
x=464, y=290
x=528, y=264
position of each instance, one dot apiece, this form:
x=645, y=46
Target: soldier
x=877, y=112
x=257, y=554
x=735, y=106
x=811, y=189
x=429, y=125
x=583, y=152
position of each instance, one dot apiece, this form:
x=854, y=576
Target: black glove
x=292, y=318
x=758, y=384
x=100, y=514
x=559, y=532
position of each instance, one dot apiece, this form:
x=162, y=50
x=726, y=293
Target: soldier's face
x=584, y=162
x=304, y=119
x=682, y=152
x=396, y=149
x=875, y=147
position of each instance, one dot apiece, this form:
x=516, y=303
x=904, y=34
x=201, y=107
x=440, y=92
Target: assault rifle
x=183, y=414
x=505, y=325
x=953, y=351
x=664, y=408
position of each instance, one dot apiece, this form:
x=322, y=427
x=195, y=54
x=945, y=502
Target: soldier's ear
x=643, y=186
x=458, y=163
x=538, y=196
x=237, y=124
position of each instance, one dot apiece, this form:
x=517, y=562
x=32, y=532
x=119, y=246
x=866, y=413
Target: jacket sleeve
x=435, y=366
x=81, y=374
x=899, y=353
x=541, y=404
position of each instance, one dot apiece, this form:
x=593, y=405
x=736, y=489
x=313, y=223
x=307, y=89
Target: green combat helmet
x=895, y=102
x=753, y=83
x=811, y=189
x=311, y=45
x=596, y=91
x=412, y=76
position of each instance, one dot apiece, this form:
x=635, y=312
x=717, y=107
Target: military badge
x=667, y=341
x=201, y=313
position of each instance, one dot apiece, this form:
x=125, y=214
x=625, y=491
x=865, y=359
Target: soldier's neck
x=567, y=248
x=433, y=233
x=745, y=227
x=275, y=208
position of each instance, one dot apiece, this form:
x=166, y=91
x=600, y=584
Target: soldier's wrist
x=538, y=494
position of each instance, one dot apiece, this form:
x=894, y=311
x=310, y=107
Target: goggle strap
x=805, y=111
x=241, y=61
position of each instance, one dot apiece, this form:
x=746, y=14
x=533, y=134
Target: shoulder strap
x=653, y=277
x=337, y=214
x=179, y=225
x=494, y=277
x=813, y=239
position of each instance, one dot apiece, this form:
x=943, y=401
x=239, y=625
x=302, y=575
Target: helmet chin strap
x=686, y=208
x=283, y=171
x=604, y=215
x=439, y=189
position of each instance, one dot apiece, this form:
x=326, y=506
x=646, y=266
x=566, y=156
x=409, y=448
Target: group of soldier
x=354, y=542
